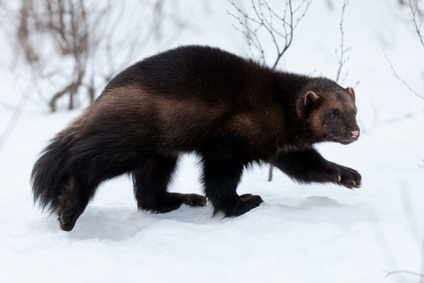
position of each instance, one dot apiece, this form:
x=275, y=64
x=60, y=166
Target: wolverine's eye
x=334, y=113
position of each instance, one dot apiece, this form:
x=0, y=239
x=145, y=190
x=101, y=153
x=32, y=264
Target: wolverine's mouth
x=344, y=139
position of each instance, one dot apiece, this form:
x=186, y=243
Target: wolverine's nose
x=354, y=134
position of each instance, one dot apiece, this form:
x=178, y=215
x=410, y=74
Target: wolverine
x=230, y=111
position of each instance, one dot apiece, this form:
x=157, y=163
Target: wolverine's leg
x=307, y=165
x=221, y=176
x=150, y=186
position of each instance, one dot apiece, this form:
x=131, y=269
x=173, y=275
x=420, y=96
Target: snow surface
x=301, y=233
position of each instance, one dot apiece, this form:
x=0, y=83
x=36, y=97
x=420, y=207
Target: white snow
x=301, y=233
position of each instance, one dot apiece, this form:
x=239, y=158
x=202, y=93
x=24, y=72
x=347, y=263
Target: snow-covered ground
x=301, y=233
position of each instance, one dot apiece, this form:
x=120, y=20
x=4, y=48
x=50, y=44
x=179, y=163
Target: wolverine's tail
x=50, y=174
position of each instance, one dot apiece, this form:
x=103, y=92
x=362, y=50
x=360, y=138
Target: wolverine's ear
x=310, y=98
x=305, y=103
x=351, y=92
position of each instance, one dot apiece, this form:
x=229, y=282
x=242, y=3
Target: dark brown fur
x=230, y=111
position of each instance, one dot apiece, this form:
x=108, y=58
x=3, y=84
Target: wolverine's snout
x=354, y=134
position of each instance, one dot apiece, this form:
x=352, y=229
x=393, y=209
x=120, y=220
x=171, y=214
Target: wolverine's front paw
x=347, y=177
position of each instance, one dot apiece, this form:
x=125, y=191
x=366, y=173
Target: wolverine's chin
x=346, y=141
x=341, y=140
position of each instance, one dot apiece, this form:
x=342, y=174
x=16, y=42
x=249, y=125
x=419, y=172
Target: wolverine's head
x=330, y=112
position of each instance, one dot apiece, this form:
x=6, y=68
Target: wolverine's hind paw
x=194, y=200
x=245, y=203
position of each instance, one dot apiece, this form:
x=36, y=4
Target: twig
x=403, y=271
x=395, y=74
x=79, y=32
x=343, y=51
x=416, y=19
x=279, y=28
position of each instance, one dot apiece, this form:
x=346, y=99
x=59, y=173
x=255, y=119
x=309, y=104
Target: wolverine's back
x=191, y=71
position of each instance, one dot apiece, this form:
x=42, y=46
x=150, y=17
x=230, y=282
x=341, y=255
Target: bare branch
x=416, y=19
x=85, y=35
x=264, y=20
x=23, y=32
x=395, y=74
x=403, y=271
x=342, y=51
